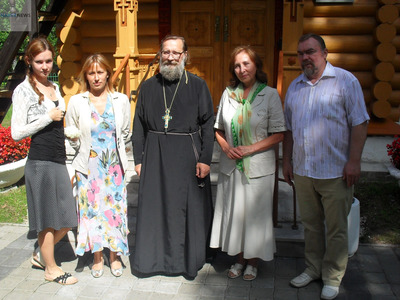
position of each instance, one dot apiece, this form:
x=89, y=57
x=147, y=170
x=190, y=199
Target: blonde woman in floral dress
x=103, y=118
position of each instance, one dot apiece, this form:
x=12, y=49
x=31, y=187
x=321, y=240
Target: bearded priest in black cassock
x=173, y=141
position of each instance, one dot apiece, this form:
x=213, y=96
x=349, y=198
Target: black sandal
x=62, y=279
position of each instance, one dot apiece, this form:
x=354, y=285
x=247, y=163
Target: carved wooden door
x=212, y=29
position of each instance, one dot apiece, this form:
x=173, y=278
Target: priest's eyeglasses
x=174, y=54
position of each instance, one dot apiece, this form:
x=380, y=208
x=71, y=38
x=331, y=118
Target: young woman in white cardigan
x=38, y=111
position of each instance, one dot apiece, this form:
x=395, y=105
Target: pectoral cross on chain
x=166, y=118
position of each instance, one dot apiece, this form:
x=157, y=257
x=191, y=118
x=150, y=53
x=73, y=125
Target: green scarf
x=240, y=125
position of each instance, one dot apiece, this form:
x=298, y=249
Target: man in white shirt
x=327, y=122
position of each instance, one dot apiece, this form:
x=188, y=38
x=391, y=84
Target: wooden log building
x=362, y=36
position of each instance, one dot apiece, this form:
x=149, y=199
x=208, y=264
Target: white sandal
x=250, y=273
x=235, y=271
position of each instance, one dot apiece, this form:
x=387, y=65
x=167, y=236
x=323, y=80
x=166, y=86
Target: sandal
x=97, y=273
x=235, y=270
x=118, y=271
x=250, y=273
x=37, y=261
x=65, y=279
x=115, y=261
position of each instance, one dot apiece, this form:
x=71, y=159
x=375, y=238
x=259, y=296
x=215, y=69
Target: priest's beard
x=172, y=70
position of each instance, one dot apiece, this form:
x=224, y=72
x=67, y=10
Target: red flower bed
x=394, y=152
x=11, y=150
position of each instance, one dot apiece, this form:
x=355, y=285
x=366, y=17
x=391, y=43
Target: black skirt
x=51, y=203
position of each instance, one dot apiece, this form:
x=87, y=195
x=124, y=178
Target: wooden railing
x=124, y=65
x=132, y=95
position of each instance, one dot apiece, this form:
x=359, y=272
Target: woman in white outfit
x=249, y=125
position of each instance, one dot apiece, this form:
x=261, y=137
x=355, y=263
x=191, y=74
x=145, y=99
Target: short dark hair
x=174, y=37
x=314, y=36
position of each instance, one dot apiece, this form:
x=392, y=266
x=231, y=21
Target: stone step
x=284, y=231
x=285, y=193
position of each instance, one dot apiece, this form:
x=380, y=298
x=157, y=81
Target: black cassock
x=174, y=213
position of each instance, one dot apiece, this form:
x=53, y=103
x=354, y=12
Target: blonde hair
x=35, y=47
x=99, y=59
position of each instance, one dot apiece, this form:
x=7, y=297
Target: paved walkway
x=373, y=273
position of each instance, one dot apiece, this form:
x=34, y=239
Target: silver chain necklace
x=167, y=117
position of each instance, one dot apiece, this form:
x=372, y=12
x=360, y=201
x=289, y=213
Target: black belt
x=191, y=134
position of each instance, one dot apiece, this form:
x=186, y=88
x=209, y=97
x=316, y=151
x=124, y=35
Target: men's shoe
x=329, y=292
x=302, y=280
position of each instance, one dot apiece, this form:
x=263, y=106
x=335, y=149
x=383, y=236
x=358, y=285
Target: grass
x=13, y=207
x=7, y=119
x=379, y=211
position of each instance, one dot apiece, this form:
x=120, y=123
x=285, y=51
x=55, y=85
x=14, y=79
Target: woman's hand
x=56, y=114
x=246, y=150
x=232, y=152
x=73, y=139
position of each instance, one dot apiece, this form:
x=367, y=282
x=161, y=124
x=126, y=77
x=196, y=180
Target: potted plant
x=12, y=157
x=394, y=153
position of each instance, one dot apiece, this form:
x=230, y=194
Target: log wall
x=148, y=27
x=363, y=38
x=89, y=26
x=70, y=37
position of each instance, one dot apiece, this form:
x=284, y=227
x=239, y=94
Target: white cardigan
x=78, y=115
x=28, y=116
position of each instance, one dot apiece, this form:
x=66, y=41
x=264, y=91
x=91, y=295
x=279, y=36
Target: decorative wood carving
x=293, y=9
x=248, y=29
x=196, y=29
x=123, y=6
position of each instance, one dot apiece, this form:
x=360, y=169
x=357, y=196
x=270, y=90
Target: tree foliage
x=5, y=7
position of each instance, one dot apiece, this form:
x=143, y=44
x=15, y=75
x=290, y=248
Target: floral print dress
x=102, y=193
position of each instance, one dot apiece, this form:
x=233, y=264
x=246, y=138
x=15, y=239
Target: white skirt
x=243, y=216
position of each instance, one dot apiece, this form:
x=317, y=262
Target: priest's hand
x=138, y=168
x=202, y=170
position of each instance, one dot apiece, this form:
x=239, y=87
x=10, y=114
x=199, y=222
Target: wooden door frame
x=277, y=38
x=164, y=28
x=164, y=19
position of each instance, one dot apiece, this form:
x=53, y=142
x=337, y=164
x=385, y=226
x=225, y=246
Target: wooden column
x=126, y=34
x=70, y=54
x=293, y=14
x=288, y=70
x=126, y=21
